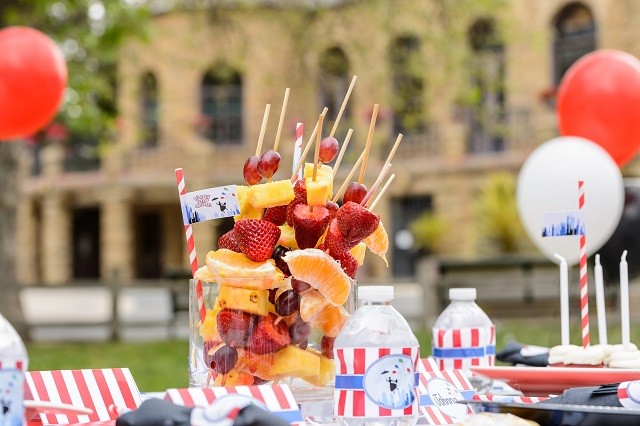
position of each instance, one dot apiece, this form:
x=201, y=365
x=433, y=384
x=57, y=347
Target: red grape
x=299, y=286
x=332, y=207
x=287, y=303
x=250, y=171
x=328, y=149
x=355, y=192
x=224, y=359
x=299, y=331
x=268, y=164
x=326, y=345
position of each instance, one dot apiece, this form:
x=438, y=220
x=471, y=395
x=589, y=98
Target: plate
x=33, y=408
x=558, y=415
x=553, y=380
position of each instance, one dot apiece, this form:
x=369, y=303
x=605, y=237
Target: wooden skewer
x=376, y=184
x=265, y=118
x=282, y=112
x=348, y=179
x=381, y=193
x=393, y=150
x=367, y=148
x=316, y=155
x=343, y=106
x=307, y=147
x=341, y=154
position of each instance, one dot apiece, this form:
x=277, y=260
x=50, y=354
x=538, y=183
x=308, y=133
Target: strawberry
x=268, y=336
x=300, y=189
x=277, y=215
x=348, y=263
x=229, y=241
x=335, y=242
x=235, y=326
x=355, y=222
x=256, y=238
x=292, y=205
x=309, y=224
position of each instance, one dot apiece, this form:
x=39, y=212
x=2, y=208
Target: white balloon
x=548, y=182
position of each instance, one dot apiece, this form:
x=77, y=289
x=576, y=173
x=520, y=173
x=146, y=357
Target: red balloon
x=33, y=76
x=599, y=99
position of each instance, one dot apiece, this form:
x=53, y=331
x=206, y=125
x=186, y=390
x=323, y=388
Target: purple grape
x=287, y=303
x=224, y=359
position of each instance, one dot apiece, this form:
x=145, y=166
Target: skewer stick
x=343, y=106
x=316, y=155
x=265, y=118
x=376, y=184
x=367, y=148
x=341, y=154
x=348, y=179
x=282, y=113
x=394, y=149
x=381, y=193
x=307, y=147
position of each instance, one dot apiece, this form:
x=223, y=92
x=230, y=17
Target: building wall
x=274, y=48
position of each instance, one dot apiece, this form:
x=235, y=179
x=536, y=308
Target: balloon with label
x=33, y=76
x=599, y=99
x=548, y=183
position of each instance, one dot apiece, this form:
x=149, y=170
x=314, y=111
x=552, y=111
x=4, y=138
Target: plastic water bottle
x=376, y=356
x=463, y=335
x=13, y=364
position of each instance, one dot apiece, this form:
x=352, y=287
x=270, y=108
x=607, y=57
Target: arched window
x=333, y=84
x=221, y=106
x=575, y=36
x=149, y=105
x=407, y=85
x=487, y=122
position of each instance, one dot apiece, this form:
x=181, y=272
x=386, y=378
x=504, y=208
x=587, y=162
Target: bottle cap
x=375, y=293
x=462, y=294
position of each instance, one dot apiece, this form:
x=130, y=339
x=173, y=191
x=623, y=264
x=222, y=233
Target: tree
x=89, y=33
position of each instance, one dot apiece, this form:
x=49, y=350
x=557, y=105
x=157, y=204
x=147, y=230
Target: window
x=334, y=83
x=408, y=86
x=487, y=123
x=149, y=95
x=575, y=36
x=221, y=106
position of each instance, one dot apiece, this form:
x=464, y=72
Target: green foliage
x=428, y=231
x=496, y=215
x=89, y=33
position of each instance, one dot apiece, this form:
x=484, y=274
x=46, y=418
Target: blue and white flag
x=210, y=203
x=563, y=224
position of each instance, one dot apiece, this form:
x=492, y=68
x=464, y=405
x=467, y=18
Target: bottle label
x=376, y=382
x=463, y=348
x=11, y=397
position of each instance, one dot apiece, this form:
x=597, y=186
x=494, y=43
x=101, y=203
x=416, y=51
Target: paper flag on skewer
x=439, y=392
x=276, y=398
x=210, y=203
x=99, y=390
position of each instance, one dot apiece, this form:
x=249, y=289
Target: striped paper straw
x=584, y=294
x=297, y=149
x=191, y=246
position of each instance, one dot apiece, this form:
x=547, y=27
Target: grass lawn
x=157, y=366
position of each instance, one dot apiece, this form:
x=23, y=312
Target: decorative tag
x=563, y=224
x=98, y=390
x=440, y=392
x=464, y=348
x=376, y=382
x=276, y=398
x=510, y=398
x=210, y=203
x=629, y=394
x=11, y=392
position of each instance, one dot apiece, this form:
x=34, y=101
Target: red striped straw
x=584, y=294
x=297, y=148
x=191, y=246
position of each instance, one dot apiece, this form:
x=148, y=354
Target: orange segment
x=378, y=242
x=311, y=302
x=358, y=251
x=237, y=270
x=204, y=274
x=322, y=272
x=331, y=319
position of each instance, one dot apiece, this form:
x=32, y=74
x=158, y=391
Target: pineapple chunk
x=247, y=211
x=243, y=299
x=318, y=192
x=209, y=328
x=271, y=194
x=326, y=374
x=323, y=171
x=295, y=362
x=287, y=237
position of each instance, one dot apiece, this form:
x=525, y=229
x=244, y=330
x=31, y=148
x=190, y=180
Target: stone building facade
x=471, y=89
